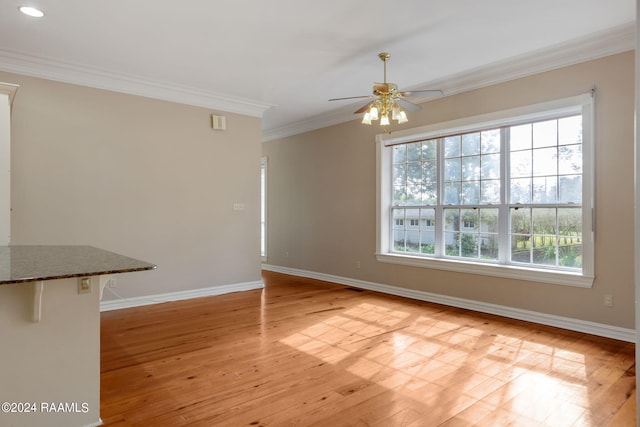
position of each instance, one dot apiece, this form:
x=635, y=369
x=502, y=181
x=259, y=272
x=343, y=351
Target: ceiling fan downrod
x=384, y=56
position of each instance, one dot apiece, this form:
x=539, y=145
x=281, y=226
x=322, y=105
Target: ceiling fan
x=388, y=101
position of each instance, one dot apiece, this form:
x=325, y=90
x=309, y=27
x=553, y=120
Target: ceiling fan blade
x=431, y=93
x=350, y=97
x=364, y=108
x=409, y=106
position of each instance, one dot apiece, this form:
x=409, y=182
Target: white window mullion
x=504, y=222
x=439, y=238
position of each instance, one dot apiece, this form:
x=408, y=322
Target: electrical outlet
x=112, y=283
x=84, y=285
x=608, y=300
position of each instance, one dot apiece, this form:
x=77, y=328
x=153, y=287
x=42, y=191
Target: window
x=7, y=92
x=506, y=194
x=263, y=208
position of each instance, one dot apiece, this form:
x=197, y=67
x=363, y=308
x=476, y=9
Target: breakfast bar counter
x=29, y=263
x=50, y=332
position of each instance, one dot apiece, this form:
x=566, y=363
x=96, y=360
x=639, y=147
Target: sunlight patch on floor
x=452, y=364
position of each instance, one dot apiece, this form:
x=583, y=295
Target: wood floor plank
x=303, y=352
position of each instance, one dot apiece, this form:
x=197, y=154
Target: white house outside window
x=507, y=194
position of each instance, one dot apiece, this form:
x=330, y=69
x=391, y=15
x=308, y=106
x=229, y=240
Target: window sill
x=507, y=271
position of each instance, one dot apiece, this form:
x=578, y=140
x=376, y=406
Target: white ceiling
x=283, y=59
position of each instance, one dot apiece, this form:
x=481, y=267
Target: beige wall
x=146, y=178
x=321, y=187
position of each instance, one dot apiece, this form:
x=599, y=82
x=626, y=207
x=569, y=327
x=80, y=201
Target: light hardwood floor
x=303, y=352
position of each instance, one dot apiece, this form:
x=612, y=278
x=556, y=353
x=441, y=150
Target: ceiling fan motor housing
x=385, y=89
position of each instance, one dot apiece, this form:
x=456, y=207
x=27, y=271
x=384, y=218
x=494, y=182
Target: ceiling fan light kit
x=387, y=103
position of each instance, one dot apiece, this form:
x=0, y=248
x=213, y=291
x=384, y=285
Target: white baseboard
x=593, y=328
x=180, y=295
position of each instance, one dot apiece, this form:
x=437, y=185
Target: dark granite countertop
x=33, y=263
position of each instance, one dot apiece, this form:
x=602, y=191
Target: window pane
x=399, y=174
x=570, y=255
x=428, y=219
x=570, y=237
x=469, y=218
x=452, y=219
x=544, y=250
x=489, y=220
x=398, y=226
x=520, y=164
x=468, y=245
x=429, y=149
x=520, y=235
x=399, y=195
x=544, y=236
x=411, y=217
x=545, y=161
x=570, y=222
x=544, y=189
x=570, y=160
x=427, y=231
x=470, y=168
x=399, y=153
x=520, y=249
x=521, y=221
x=414, y=184
x=490, y=141
x=570, y=189
x=399, y=243
x=470, y=144
x=429, y=183
x=414, y=173
x=452, y=146
x=521, y=190
x=520, y=137
x=470, y=193
x=490, y=191
x=452, y=193
x=398, y=219
x=543, y=220
x=490, y=166
x=452, y=244
x=545, y=134
x=452, y=169
x=570, y=130
x=414, y=151
x=489, y=246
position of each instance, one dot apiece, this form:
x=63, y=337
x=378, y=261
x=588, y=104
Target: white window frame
x=263, y=208
x=7, y=93
x=581, y=104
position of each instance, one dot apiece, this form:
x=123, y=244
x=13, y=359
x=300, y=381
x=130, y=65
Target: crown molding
x=49, y=69
x=9, y=90
x=597, y=45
